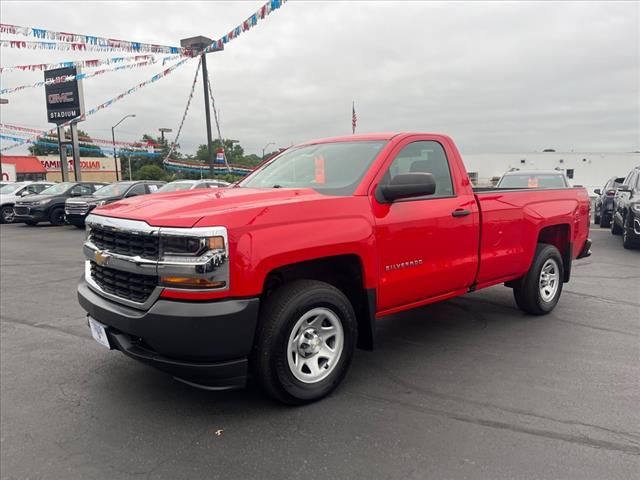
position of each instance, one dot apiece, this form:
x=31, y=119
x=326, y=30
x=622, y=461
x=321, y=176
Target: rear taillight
x=610, y=193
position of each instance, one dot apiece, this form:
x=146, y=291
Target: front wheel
x=629, y=239
x=539, y=290
x=615, y=229
x=6, y=215
x=56, y=217
x=305, y=342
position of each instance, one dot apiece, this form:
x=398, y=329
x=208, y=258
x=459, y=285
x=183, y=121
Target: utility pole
x=265, y=147
x=162, y=132
x=203, y=45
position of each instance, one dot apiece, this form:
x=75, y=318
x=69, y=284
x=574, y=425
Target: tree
x=150, y=172
x=87, y=147
x=140, y=159
x=232, y=149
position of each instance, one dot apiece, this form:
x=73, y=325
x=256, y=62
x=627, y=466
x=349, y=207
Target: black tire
x=615, y=229
x=56, y=217
x=527, y=292
x=6, y=215
x=279, y=315
x=629, y=240
x=31, y=223
x=597, y=216
x=605, y=221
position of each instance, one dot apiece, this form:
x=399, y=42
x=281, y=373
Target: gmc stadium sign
x=65, y=100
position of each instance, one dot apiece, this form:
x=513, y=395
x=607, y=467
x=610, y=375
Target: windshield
x=533, y=180
x=57, y=188
x=176, y=186
x=113, y=190
x=11, y=187
x=329, y=168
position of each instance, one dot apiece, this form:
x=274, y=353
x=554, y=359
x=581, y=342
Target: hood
x=36, y=198
x=92, y=199
x=186, y=208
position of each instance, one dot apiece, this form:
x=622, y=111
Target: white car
x=179, y=185
x=11, y=192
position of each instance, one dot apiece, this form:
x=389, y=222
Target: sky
x=496, y=76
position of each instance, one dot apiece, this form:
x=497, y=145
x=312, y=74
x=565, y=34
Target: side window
x=423, y=157
x=203, y=185
x=40, y=187
x=33, y=189
x=136, y=190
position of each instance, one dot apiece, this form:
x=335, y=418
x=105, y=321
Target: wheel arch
x=345, y=272
x=560, y=237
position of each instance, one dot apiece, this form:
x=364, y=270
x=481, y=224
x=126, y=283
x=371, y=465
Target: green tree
x=232, y=149
x=140, y=159
x=150, y=172
x=87, y=147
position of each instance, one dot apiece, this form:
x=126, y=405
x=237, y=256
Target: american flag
x=354, y=117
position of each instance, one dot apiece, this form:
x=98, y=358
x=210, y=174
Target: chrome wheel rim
x=315, y=345
x=549, y=280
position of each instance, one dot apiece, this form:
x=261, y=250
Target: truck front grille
x=126, y=243
x=76, y=209
x=130, y=286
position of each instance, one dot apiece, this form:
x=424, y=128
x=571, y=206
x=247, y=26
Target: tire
x=531, y=296
x=6, y=214
x=280, y=362
x=31, y=223
x=629, y=240
x=615, y=229
x=56, y=217
x=597, y=216
x=605, y=221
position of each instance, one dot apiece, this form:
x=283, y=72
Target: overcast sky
x=498, y=77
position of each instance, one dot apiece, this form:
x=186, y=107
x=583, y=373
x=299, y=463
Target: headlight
x=99, y=203
x=43, y=202
x=198, y=259
x=636, y=207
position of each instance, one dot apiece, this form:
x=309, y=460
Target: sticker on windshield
x=319, y=164
x=533, y=182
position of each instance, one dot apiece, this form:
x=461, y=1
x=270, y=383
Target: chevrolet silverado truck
x=283, y=275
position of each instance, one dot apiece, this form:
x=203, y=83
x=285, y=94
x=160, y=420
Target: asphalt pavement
x=466, y=389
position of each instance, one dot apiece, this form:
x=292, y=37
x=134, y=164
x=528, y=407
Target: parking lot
x=470, y=388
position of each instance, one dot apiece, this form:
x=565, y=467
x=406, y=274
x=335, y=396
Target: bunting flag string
x=79, y=47
x=53, y=142
x=79, y=76
x=184, y=115
x=155, y=78
x=88, y=40
x=266, y=9
x=96, y=62
x=17, y=128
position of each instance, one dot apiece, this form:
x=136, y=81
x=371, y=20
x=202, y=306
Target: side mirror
x=406, y=185
x=24, y=193
x=624, y=188
x=597, y=191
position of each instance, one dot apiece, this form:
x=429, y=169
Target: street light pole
x=162, y=132
x=113, y=139
x=265, y=147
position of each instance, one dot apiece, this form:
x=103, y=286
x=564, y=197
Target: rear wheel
x=56, y=217
x=539, y=290
x=605, y=221
x=305, y=341
x=6, y=215
x=597, y=216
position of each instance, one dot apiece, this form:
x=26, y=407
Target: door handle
x=460, y=212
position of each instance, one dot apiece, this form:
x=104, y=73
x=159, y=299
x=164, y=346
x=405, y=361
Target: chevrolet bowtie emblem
x=101, y=258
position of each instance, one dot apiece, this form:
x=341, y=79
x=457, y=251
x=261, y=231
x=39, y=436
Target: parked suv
x=11, y=192
x=604, y=201
x=76, y=209
x=179, y=185
x=48, y=206
x=626, y=210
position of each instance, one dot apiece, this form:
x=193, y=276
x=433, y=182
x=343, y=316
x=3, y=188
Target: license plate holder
x=99, y=333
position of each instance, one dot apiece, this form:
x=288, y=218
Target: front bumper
x=32, y=214
x=74, y=219
x=204, y=343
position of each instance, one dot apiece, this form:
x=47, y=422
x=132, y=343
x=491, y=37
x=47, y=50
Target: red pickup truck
x=284, y=274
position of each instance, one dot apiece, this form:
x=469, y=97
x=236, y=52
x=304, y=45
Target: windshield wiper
x=277, y=186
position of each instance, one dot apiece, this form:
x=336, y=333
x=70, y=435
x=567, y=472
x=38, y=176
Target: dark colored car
x=626, y=210
x=604, y=201
x=76, y=209
x=48, y=206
